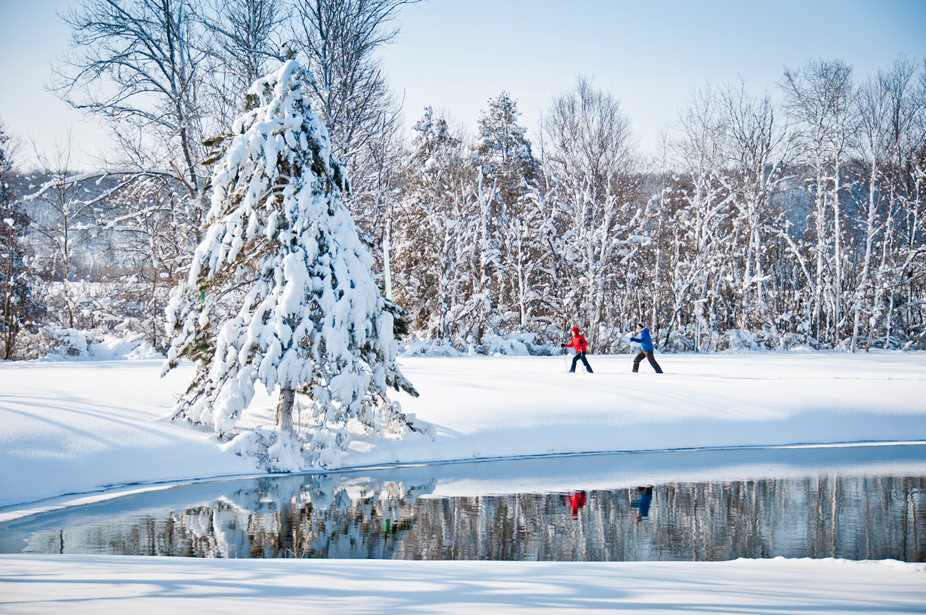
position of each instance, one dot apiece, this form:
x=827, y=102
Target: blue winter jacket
x=645, y=341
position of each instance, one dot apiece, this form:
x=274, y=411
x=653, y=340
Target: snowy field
x=81, y=431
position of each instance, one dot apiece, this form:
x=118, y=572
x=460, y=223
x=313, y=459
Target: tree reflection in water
x=346, y=516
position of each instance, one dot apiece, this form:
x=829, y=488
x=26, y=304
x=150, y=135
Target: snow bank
x=78, y=427
x=511, y=345
x=80, y=345
x=73, y=427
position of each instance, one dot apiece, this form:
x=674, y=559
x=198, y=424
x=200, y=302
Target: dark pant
x=580, y=356
x=649, y=355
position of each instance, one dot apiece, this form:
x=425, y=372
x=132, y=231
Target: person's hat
x=575, y=329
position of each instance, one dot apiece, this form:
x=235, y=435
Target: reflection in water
x=576, y=501
x=346, y=516
x=644, y=500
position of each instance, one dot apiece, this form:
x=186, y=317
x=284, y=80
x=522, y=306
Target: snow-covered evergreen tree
x=282, y=255
x=435, y=244
x=18, y=307
x=507, y=240
x=504, y=152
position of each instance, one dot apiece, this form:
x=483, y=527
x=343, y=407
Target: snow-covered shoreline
x=77, y=427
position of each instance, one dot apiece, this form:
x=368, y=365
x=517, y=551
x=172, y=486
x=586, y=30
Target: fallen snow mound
x=77, y=345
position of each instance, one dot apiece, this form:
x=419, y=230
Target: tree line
x=761, y=221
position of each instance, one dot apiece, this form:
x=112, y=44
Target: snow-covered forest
x=764, y=220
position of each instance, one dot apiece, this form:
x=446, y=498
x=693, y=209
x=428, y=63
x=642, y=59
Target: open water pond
x=866, y=502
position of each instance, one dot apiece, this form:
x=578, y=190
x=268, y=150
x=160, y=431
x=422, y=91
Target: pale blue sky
x=457, y=54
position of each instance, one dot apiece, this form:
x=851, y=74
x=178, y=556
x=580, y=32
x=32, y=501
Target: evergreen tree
x=507, y=241
x=434, y=239
x=282, y=255
x=504, y=152
x=18, y=309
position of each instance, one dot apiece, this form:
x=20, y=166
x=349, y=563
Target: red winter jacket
x=579, y=343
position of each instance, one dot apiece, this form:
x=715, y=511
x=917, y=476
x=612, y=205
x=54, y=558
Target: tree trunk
x=285, y=409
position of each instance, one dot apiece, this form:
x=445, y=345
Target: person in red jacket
x=581, y=347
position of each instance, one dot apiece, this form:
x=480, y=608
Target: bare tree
x=339, y=39
x=820, y=98
x=140, y=66
x=245, y=38
x=589, y=155
x=64, y=220
x=136, y=64
x=759, y=147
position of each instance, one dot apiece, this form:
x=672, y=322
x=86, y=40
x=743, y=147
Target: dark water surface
x=854, y=503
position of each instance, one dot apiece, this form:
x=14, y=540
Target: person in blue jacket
x=646, y=349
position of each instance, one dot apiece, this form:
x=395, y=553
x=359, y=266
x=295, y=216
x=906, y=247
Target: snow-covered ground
x=78, y=431
x=99, y=585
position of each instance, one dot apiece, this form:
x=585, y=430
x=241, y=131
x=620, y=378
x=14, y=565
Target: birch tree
x=592, y=164
x=703, y=219
x=759, y=147
x=892, y=112
x=819, y=96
